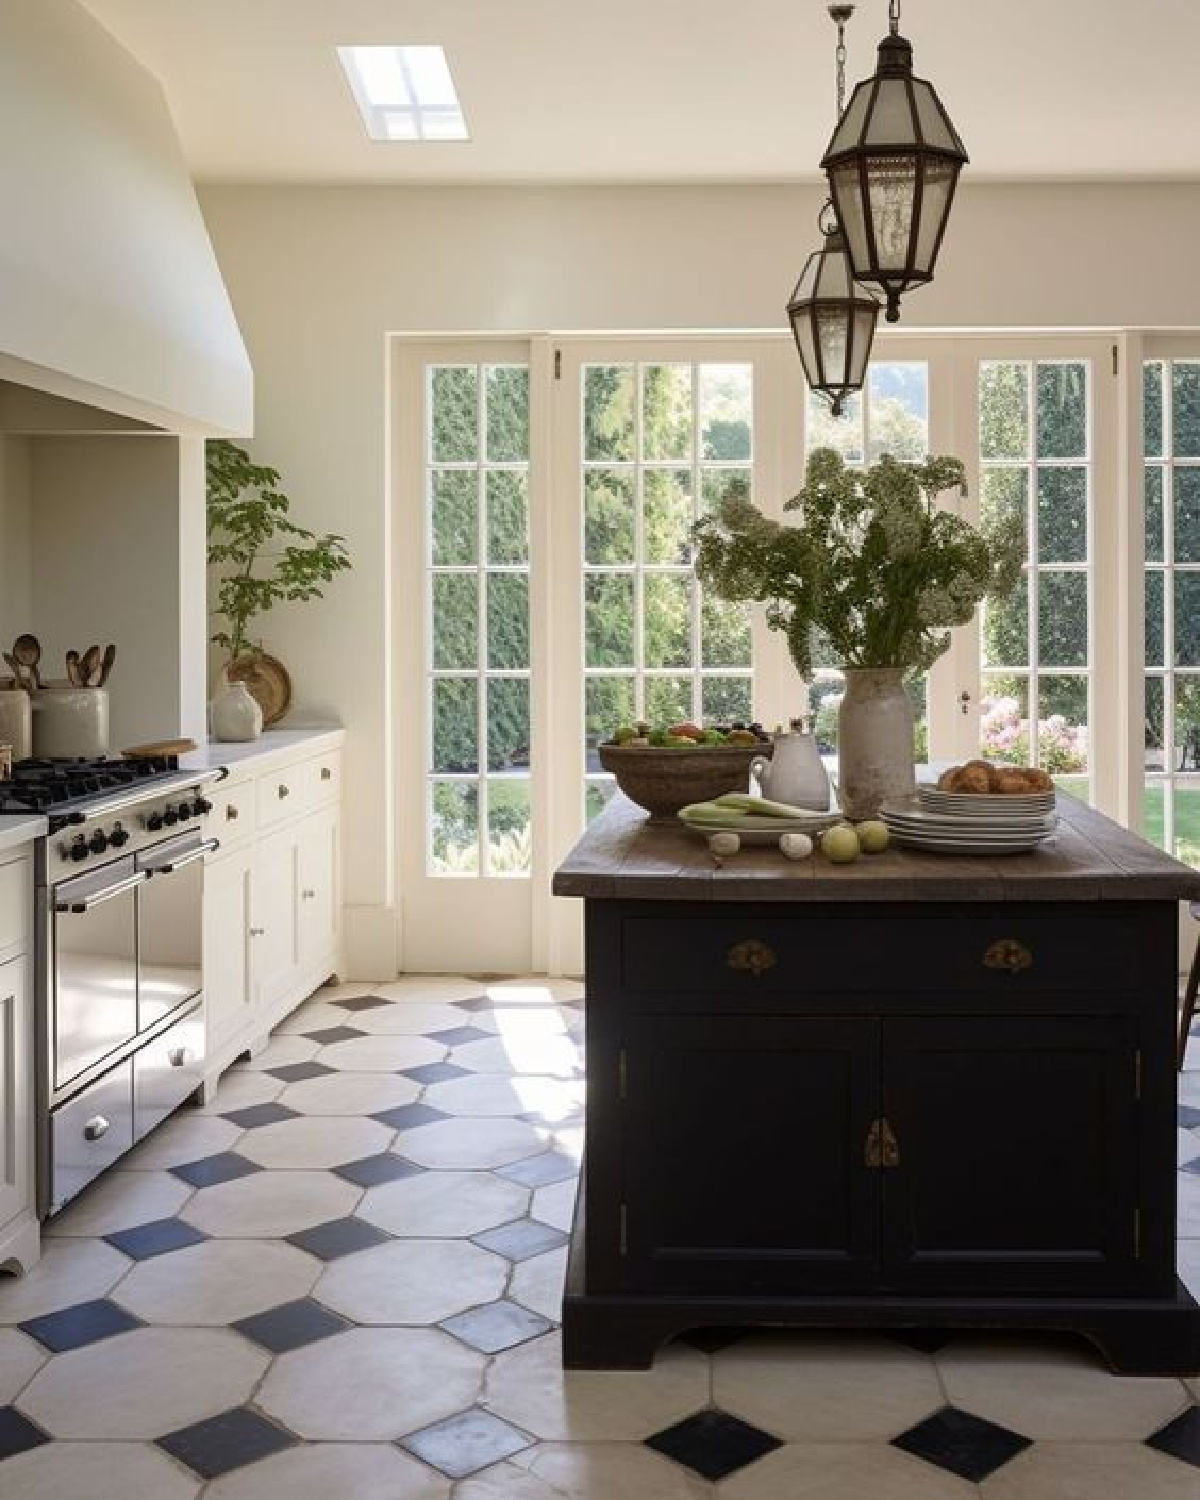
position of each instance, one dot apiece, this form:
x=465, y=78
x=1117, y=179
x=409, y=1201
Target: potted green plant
x=261, y=558
x=874, y=573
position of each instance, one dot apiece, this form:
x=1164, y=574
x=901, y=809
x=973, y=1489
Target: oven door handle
x=108, y=893
x=209, y=846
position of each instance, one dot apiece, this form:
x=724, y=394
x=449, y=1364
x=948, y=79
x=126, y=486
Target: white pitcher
x=794, y=774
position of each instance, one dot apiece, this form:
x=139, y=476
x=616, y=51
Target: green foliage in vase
x=264, y=558
x=874, y=574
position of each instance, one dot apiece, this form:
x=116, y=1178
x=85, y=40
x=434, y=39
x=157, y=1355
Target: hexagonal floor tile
x=279, y=1052
x=381, y=1054
x=423, y=988
x=371, y=1384
x=216, y=1283
x=312, y=1016
x=333, y=1471
x=20, y=1360
x=443, y=1203
x=315, y=1141
x=185, y=1137
x=589, y=1471
x=142, y=1384
x=833, y=1471
x=547, y=1056
x=538, y=1283
x=555, y=1204
x=91, y=1471
x=239, y=1090
x=350, y=1094
x=529, y=1387
x=119, y=1200
x=270, y=1204
x=409, y=1018
x=411, y=1281
x=504, y=1094
x=1099, y=1471
x=470, y=1143
x=69, y=1271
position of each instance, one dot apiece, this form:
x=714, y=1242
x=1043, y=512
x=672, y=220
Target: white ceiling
x=668, y=90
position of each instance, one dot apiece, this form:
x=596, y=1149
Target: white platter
x=760, y=830
x=918, y=818
x=966, y=844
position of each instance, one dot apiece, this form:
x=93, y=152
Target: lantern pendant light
x=893, y=166
x=833, y=318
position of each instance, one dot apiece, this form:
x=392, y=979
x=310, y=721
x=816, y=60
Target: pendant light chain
x=894, y=17
x=841, y=67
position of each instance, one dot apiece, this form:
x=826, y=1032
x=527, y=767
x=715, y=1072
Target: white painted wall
x=109, y=290
x=320, y=276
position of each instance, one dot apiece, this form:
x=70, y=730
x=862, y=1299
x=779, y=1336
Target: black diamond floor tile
x=540, y=1171
x=361, y=1002
x=1180, y=1438
x=463, y=1444
x=209, y=1170
x=496, y=1326
x=476, y=1002
x=408, y=1116
x=158, y=1237
x=521, y=1239
x=713, y=1340
x=85, y=1323
x=370, y=1171
x=255, y=1115
x=337, y=1238
x=440, y=1072
x=291, y=1325
x=297, y=1072
x=713, y=1443
x=329, y=1034
x=966, y=1445
x=923, y=1340
x=458, y=1036
x=1189, y=1117
x=227, y=1441
x=17, y=1433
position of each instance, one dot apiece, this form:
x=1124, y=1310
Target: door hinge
x=622, y=1075
x=1116, y=360
x=558, y=364
x=881, y=1148
x=1137, y=1234
x=623, y=1231
x=1137, y=1074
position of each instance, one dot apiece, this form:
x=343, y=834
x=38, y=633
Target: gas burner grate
x=42, y=784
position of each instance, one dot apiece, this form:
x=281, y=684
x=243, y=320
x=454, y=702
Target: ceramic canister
x=70, y=721
x=16, y=723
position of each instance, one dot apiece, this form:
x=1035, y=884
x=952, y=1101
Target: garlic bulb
x=722, y=844
x=796, y=845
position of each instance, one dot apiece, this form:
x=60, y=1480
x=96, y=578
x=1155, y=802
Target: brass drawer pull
x=1008, y=955
x=326, y=774
x=283, y=790
x=231, y=813
x=882, y=1150
x=751, y=957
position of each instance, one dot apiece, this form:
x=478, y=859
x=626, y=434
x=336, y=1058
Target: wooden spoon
x=17, y=670
x=73, y=673
x=106, y=666
x=28, y=651
x=89, y=665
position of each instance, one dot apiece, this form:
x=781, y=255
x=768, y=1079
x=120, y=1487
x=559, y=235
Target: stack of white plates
x=957, y=823
x=756, y=828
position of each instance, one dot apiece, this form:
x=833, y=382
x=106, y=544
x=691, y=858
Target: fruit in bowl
x=664, y=769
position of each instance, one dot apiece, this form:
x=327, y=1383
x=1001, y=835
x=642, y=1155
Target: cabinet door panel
x=16, y=1083
x=743, y=1153
x=317, y=856
x=227, y=992
x=1018, y=1151
x=273, y=926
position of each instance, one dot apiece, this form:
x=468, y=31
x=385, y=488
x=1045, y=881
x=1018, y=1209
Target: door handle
x=96, y=1127
x=178, y=1057
x=109, y=893
x=283, y=790
x=881, y=1150
x=209, y=846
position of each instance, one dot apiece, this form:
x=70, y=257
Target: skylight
x=405, y=93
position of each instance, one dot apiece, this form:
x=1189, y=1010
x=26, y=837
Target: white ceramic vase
x=236, y=715
x=875, y=741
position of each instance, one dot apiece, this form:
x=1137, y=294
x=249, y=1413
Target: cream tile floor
x=340, y=1281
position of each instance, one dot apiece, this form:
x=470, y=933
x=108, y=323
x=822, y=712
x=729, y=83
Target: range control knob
x=118, y=838
x=79, y=848
x=201, y=807
x=185, y=811
x=154, y=822
x=170, y=817
x=98, y=842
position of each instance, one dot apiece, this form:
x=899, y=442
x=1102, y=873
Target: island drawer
x=987, y=951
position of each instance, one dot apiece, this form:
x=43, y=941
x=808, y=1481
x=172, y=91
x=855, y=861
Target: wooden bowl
x=665, y=780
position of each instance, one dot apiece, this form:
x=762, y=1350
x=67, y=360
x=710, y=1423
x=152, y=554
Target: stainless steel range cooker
x=119, y=914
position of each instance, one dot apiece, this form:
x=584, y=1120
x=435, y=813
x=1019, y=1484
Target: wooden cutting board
x=159, y=747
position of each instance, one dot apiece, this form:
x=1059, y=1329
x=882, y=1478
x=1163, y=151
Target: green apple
x=840, y=845
x=873, y=836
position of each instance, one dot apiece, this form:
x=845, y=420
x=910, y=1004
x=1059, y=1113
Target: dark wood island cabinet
x=912, y=1091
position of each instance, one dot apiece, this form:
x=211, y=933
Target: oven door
x=94, y=967
x=170, y=925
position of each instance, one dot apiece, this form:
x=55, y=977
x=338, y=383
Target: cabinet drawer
x=232, y=815
x=1002, y=951
x=280, y=795
x=90, y=1131
x=167, y=1070
x=322, y=779
x=15, y=879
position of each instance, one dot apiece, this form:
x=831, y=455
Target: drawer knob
x=231, y=813
x=1008, y=956
x=283, y=790
x=257, y=931
x=326, y=774
x=882, y=1150
x=751, y=957
x=96, y=1127
x=307, y=895
x=179, y=1057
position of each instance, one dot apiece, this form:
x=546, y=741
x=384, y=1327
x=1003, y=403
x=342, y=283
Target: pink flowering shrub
x=1004, y=735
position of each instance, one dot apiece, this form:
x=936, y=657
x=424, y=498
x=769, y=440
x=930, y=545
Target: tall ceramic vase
x=875, y=741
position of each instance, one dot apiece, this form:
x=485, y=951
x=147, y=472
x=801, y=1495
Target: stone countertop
x=21, y=828
x=271, y=745
x=1089, y=858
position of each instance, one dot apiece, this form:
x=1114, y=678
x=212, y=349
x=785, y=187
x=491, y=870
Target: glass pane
x=1062, y=411
x=1004, y=410
x=666, y=412
x=667, y=515
x=1154, y=513
x=455, y=724
x=510, y=826
x=1006, y=629
x=1063, y=726
x=1005, y=493
x=1187, y=725
x=508, y=723
x=507, y=413
x=844, y=434
x=727, y=700
x=454, y=517
x=724, y=633
x=715, y=484
x=1185, y=410
x=725, y=412
x=607, y=517
x=508, y=516
x=454, y=828
x=1062, y=515
x=898, y=410
x=608, y=619
x=454, y=435
x=1154, y=810
x=608, y=412
x=455, y=620
x=599, y=794
x=1156, y=757
x=1062, y=619
x=1186, y=486
x=1187, y=619
x=1004, y=721
x=1155, y=634
x=824, y=700
x=1152, y=409
x=668, y=701
x=667, y=621
x=508, y=621
x=608, y=706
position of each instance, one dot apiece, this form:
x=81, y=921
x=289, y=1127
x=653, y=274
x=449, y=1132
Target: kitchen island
x=914, y=1091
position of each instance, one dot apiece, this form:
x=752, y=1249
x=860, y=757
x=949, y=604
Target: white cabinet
x=228, y=995
x=18, y=1215
x=317, y=876
x=274, y=918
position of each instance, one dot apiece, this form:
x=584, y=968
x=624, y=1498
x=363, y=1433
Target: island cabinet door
x=1015, y=1162
x=743, y=1154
